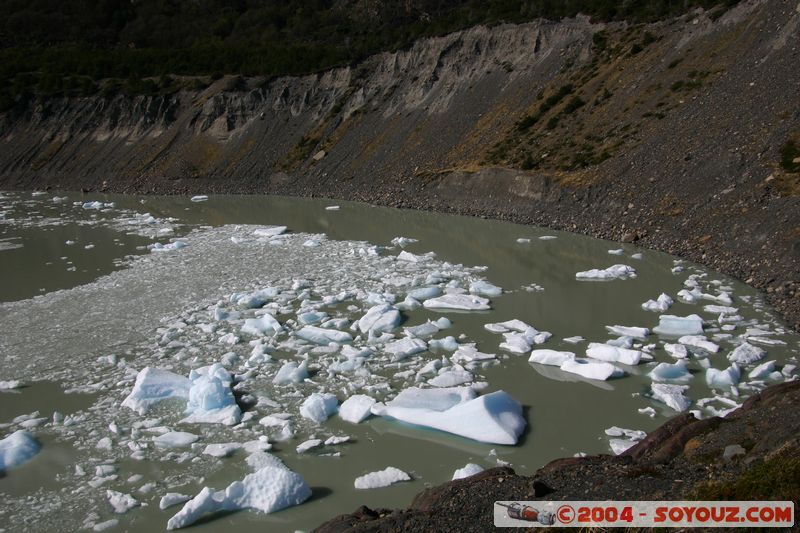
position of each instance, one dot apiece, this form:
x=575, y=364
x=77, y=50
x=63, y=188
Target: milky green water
x=565, y=415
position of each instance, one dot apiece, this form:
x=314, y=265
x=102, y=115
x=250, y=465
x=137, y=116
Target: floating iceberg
x=627, y=331
x=199, y=198
x=663, y=303
x=270, y=231
x=402, y=242
x=591, y=369
x=698, y=341
x=265, y=325
x=451, y=378
x=405, y=347
x=550, y=357
x=356, y=408
x=462, y=302
x=211, y=398
x=425, y=293
x=172, y=498
x=379, y=319
x=323, y=336
x=291, y=372
x=672, y=395
x=671, y=372
x=612, y=272
x=746, y=354
x=469, y=470
x=762, y=371
x=613, y=354
x=382, y=478
x=493, y=418
x=269, y=489
x=484, y=288
x=723, y=378
x=17, y=449
x=679, y=325
x=318, y=407
x=175, y=439
x=154, y=385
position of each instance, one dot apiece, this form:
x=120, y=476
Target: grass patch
x=790, y=151
x=777, y=479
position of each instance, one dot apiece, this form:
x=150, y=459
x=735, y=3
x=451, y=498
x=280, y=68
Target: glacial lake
x=94, y=290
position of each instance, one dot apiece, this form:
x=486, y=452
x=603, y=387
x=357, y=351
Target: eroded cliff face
x=669, y=134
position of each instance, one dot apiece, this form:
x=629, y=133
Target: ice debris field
x=255, y=346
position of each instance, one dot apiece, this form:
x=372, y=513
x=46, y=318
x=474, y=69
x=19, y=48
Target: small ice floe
x=600, y=371
x=405, y=347
x=623, y=438
x=414, y=258
x=211, y=398
x=720, y=309
x=484, y=288
x=323, y=336
x=92, y=205
x=746, y=354
x=121, y=503
x=613, y=354
x=270, y=231
x=677, y=372
x=356, y=408
x=462, y=302
x=154, y=385
x=331, y=208
x=523, y=240
x=612, y=272
x=199, y=198
x=383, y=478
x=547, y=237
x=175, y=439
x=222, y=449
x=319, y=406
x=267, y=490
x=470, y=469
x=291, y=372
x=649, y=411
x=762, y=371
x=16, y=449
x=172, y=498
x=468, y=353
x=618, y=251
x=493, y=418
x=678, y=351
x=266, y=324
x=577, y=339
x=671, y=395
x=11, y=384
x=699, y=341
x=550, y=357
x=676, y=326
x=628, y=331
x=661, y=304
x=382, y=318
x=402, y=242
x=310, y=444
x=637, y=256
x=451, y=378
x=723, y=378
x=158, y=247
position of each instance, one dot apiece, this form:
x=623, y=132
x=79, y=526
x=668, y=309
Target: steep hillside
x=679, y=134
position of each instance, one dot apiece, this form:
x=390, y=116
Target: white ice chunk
x=413, y=258
x=484, y=288
x=678, y=351
x=402, y=242
x=154, y=385
x=746, y=354
x=356, y=408
x=469, y=470
x=671, y=372
x=679, y=325
x=464, y=302
x=591, y=369
x=175, y=439
x=172, y=498
x=16, y=449
x=613, y=354
x=493, y=418
x=121, y=503
x=612, y=272
x=723, y=378
x=405, y=347
x=211, y=398
x=762, y=371
x=382, y=478
x=270, y=231
x=467, y=353
x=629, y=331
x=550, y=357
x=291, y=372
x=323, y=336
x=310, y=444
x=448, y=344
x=672, y=395
x=269, y=489
x=451, y=378
x=425, y=293
x=265, y=325
x=698, y=341
x=199, y=198
x=318, y=407
x=663, y=303
x=379, y=319
x=10, y=385
x=222, y=449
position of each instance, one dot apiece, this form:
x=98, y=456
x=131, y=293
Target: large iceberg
x=269, y=489
x=16, y=449
x=154, y=385
x=211, y=398
x=612, y=272
x=679, y=325
x=461, y=302
x=493, y=418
